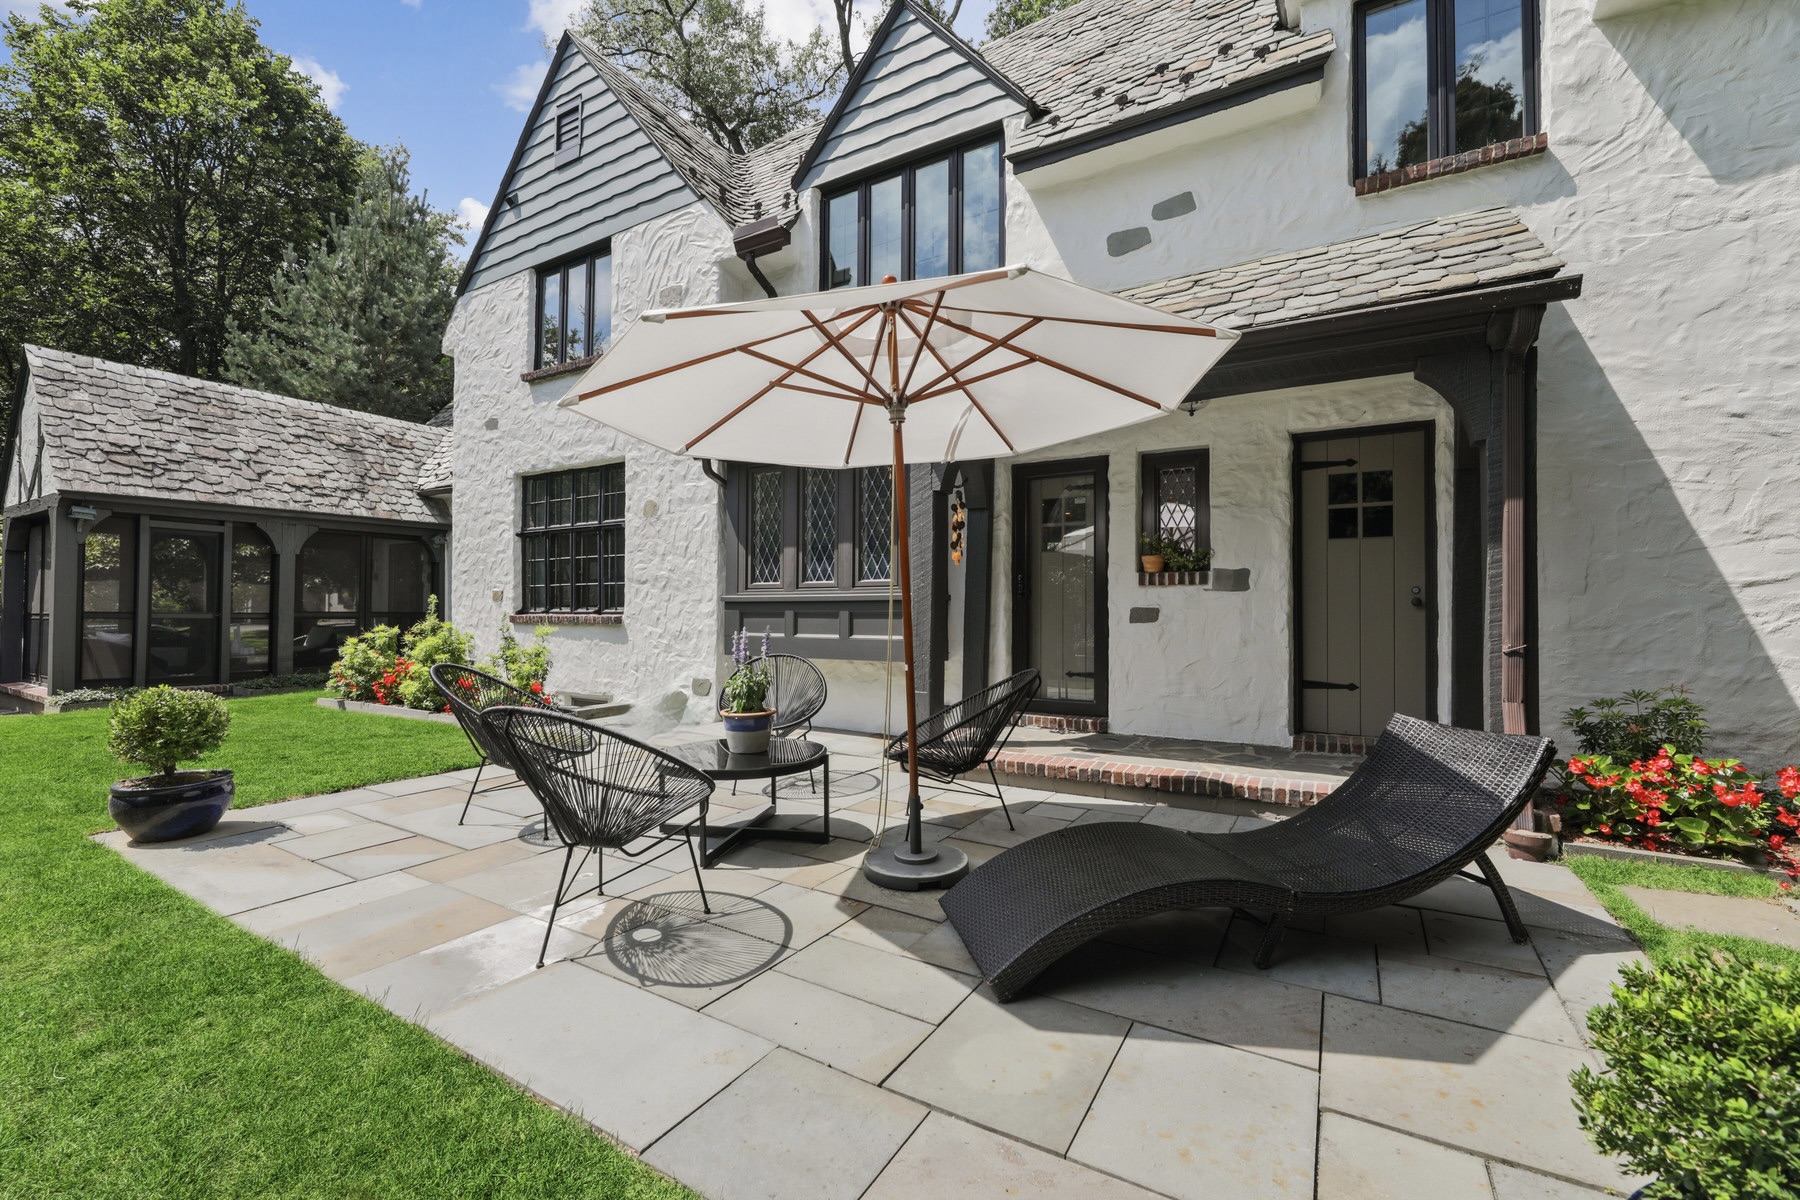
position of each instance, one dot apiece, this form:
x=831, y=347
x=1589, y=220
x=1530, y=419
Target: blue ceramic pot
x=188, y=807
x=748, y=733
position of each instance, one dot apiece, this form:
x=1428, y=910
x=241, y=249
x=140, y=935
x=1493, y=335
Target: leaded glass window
x=818, y=551
x=765, y=526
x=574, y=540
x=1175, y=508
x=874, y=525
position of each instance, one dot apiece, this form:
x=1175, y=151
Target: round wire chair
x=469, y=693
x=796, y=693
x=603, y=791
x=965, y=736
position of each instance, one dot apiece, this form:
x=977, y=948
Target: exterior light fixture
x=1193, y=404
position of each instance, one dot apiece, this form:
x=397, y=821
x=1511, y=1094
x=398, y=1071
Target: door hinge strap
x=1513, y=651
x=1317, y=683
x=1336, y=462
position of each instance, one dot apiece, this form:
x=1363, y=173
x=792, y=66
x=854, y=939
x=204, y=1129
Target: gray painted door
x=1059, y=581
x=1364, y=526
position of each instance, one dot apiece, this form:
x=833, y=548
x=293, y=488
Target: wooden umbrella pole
x=915, y=834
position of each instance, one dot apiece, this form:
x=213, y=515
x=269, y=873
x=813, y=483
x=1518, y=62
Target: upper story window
x=1439, y=77
x=574, y=309
x=939, y=216
x=568, y=132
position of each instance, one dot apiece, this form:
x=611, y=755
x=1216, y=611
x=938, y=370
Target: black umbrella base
x=889, y=867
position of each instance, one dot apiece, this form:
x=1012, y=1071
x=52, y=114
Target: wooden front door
x=1059, y=582
x=1365, y=590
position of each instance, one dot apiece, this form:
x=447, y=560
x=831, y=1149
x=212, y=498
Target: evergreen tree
x=359, y=321
x=1010, y=16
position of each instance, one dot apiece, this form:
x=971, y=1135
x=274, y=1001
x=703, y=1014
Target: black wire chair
x=796, y=693
x=1426, y=803
x=968, y=734
x=611, y=792
x=470, y=693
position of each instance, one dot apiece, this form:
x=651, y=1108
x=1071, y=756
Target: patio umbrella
x=982, y=365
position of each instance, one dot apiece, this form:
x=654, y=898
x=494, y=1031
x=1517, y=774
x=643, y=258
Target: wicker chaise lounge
x=1427, y=802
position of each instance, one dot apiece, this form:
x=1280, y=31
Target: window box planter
x=1175, y=578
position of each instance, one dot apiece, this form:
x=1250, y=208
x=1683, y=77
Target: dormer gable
x=916, y=87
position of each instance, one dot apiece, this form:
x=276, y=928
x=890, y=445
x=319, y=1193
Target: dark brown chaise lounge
x=1428, y=801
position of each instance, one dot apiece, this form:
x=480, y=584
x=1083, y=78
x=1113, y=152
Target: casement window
x=805, y=528
x=941, y=215
x=1439, y=77
x=573, y=540
x=574, y=309
x=568, y=132
x=1174, y=505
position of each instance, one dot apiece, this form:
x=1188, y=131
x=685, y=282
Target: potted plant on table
x=158, y=729
x=747, y=715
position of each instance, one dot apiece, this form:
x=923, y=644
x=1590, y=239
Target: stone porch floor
x=819, y=1037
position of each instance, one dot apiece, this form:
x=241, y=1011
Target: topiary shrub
x=159, y=728
x=1702, y=1082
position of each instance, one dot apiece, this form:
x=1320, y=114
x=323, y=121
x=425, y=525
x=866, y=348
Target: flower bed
x=387, y=667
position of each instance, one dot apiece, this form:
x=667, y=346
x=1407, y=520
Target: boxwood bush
x=1702, y=1082
x=162, y=727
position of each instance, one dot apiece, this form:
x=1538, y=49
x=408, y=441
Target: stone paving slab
x=1514, y=1183
x=411, y=850
x=948, y=1159
x=1474, y=940
x=381, y=930
x=788, y=1127
x=1736, y=916
x=432, y=980
x=1312, y=960
x=901, y=984
x=230, y=874
x=1197, y=1120
x=1493, y=998
x=856, y=1037
x=1359, y=1161
x=631, y=1063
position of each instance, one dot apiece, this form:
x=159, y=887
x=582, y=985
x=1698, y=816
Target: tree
x=1010, y=16
x=716, y=62
x=359, y=321
x=155, y=161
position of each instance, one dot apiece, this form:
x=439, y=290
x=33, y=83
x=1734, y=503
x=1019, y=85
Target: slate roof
x=1429, y=258
x=1106, y=63
x=116, y=430
x=435, y=475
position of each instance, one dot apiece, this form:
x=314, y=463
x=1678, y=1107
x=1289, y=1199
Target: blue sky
x=450, y=78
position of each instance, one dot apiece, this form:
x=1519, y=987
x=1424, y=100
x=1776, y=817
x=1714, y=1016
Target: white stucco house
x=1507, y=428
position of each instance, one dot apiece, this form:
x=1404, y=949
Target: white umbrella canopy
x=989, y=364
x=983, y=365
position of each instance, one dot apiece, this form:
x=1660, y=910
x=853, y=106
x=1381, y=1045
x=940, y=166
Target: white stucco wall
x=665, y=652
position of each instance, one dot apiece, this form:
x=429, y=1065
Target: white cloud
x=331, y=87
x=551, y=17
x=471, y=214
x=522, y=88
x=412, y=3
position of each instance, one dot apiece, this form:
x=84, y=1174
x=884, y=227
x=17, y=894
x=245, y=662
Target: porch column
x=62, y=652
x=13, y=601
x=1512, y=337
x=287, y=537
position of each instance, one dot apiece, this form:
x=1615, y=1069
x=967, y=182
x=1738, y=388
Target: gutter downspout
x=756, y=273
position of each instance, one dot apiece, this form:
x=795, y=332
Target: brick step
x=1067, y=772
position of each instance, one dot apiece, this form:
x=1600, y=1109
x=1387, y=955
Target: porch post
x=287, y=537
x=13, y=600
x=62, y=650
x=1517, y=562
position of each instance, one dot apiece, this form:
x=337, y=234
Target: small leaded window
x=573, y=537
x=1175, y=508
x=765, y=526
x=818, y=549
x=1360, y=504
x=874, y=526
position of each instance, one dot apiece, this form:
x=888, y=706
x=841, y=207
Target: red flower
x=1776, y=841
x=1788, y=780
x=1577, y=766
x=1653, y=818
x=1606, y=829
x=537, y=688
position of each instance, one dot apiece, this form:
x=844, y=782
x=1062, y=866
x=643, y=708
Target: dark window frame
x=127, y=600
x=953, y=151
x=846, y=577
x=1440, y=79
x=364, y=616
x=566, y=131
x=609, y=541
x=1150, y=502
x=590, y=258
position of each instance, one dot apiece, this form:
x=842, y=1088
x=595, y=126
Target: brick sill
x=566, y=618
x=560, y=369
x=1174, y=578
x=1455, y=164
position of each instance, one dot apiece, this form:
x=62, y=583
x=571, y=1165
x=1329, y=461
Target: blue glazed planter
x=748, y=733
x=188, y=808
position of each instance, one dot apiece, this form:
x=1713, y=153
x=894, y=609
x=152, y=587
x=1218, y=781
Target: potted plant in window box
x=747, y=716
x=1150, y=553
x=158, y=729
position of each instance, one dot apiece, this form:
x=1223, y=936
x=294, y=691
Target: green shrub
x=161, y=727
x=1702, y=1082
x=277, y=683
x=364, y=669
x=520, y=665
x=430, y=642
x=1638, y=724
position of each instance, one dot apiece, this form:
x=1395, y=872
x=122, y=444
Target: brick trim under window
x=1455, y=164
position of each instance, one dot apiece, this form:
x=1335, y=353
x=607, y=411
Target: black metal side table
x=786, y=756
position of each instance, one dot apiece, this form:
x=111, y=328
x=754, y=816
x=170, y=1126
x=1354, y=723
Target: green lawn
x=150, y=1048
x=1605, y=876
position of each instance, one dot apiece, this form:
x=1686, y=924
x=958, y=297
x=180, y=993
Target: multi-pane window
x=574, y=309
x=1438, y=77
x=813, y=529
x=874, y=524
x=252, y=599
x=1361, y=504
x=573, y=537
x=765, y=526
x=939, y=216
x=818, y=526
x=1175, y=507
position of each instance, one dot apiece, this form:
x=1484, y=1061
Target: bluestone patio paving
x=816, y=1036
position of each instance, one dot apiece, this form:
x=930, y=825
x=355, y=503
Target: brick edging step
x=1184, y=781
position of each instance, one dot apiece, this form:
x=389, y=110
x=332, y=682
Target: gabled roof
x=1413, y=262
x=872, y=53
x=1102, y=66
x=112, y=430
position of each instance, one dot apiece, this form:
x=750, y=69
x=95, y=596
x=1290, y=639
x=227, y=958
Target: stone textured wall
x=506, y=428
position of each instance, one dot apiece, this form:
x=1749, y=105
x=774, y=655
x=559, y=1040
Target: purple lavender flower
x=740, y=648
x=765, y=644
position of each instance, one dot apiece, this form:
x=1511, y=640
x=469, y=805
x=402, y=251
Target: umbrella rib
x=1004, y=343
x=924, y=336
x=932, y=349
x=692, y=362
x=1190, y=330
x=843, y=393
x=1053, y=364
x=771, y=386
x=834, y=340
x=945, y=391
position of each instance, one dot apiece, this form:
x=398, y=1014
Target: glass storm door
x=1059, y=574
x=184, y=606
x=1365, y=600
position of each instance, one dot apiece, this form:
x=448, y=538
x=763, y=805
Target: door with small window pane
x=1059, y=582
x=185, y=598
x=1364, y=519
